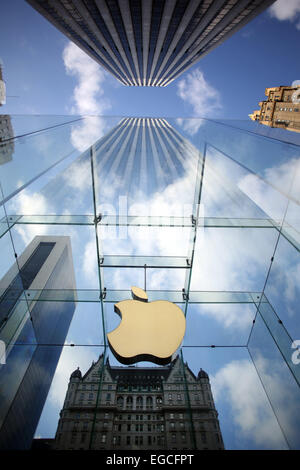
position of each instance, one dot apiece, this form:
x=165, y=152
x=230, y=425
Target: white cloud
x=283, y=179
x=89, y=263
x=88, y=96
x=203, y=98
x=284, y=10
x=238, y=383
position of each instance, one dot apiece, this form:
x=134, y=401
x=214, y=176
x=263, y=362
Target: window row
x=145, y=417
x=139, y=427
x=138, y=401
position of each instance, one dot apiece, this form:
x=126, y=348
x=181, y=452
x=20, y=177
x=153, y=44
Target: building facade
x=7, y=145
x=281, y=109
x=133, y=408
x=33, y=331
x=148, y=42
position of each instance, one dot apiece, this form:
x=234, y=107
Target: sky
x=45, y=74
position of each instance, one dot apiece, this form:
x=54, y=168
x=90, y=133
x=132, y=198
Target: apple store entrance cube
x=203, y=217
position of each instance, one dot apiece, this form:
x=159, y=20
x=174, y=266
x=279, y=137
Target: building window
x=107, y=396
x=149, y=440
x=139, y=402
x=129, y=403
x=149, y=403
x=128, y=440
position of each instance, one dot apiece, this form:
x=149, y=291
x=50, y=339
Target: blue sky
x=49, y=75
x=236, y=73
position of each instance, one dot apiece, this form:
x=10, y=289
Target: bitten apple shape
x=149, y=331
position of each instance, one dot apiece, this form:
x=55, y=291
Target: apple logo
x=149, y=331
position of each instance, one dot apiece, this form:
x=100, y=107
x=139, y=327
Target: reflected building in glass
x=138, y=408
x=30, y=328
x=148, y=42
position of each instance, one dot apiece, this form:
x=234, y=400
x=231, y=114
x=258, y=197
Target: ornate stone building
x=282, y=108
x=120, y=408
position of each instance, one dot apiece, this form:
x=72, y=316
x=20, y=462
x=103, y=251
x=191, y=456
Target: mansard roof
x=146, y=375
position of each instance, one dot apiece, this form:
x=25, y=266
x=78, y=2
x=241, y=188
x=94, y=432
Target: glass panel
x=83, y=249
x=54, y=415
x=218, y=324
x=245, y=416
x=212, y=211
x=232, y=259
x=143, y=164
x=282, y=289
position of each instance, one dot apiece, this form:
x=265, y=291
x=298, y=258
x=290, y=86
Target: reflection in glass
x=204, y=214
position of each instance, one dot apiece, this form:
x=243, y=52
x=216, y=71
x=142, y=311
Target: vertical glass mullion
x=195, y=215
x=280, y=336
x=188, y=407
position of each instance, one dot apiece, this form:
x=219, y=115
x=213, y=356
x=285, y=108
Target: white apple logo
x=148, y=331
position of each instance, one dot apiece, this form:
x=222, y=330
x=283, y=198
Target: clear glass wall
x=202, y=213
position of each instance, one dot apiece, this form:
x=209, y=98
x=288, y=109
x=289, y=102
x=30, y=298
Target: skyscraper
x=33, y=331
x=281, y=109
x=148, y=42
x=135, y=408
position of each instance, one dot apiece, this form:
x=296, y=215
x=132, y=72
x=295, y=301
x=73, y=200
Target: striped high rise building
x=148, y=42
x=137, y=157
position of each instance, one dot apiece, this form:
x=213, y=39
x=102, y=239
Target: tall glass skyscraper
x=29, y=328
x=197, y=212
x=148, y=42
